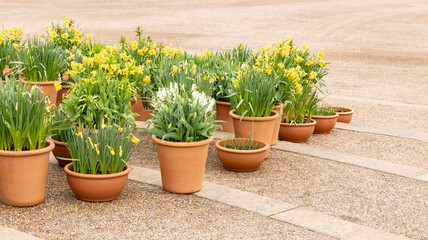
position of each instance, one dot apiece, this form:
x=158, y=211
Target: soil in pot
x=296, y=132
x=223, y=109
x=242, y=159
x=182, y=164
x=96, y=187
x=345, y=114
x=325, y=123
x=23, y=176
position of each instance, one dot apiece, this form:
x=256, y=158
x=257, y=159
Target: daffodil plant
x=25, y=122
x=101, y=149
x=300, y=106
x=10, y=40
x=253, y=94
x=324, y=110
x=101, y=95
x=41, y=61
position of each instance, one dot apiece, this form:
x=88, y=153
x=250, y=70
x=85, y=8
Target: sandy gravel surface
x=394, y=149
x=379, y=200
x=141, y=212
x=377, y=49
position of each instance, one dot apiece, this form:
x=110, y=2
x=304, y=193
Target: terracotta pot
x=133, y=101
x=242, y=160
x=48, y=89
x=142, y=111
x=275, y=134
x=257, y=128
x=96, y=187
x=325, y=123
x=62, y=93
x=345, y=114
x=60, y=150
x=23, y=176
x=182, y=164
x=223, y=109
x=296, y=132
x=4, y=82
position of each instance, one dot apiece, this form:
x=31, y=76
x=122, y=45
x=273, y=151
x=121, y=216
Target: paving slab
x=420, y=136
x=332, y=226
x=357, y=160
x=12, y=234
x=404, y=151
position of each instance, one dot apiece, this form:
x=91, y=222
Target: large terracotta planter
x=142, y=111
x=23, y=176
x=62, y=93
x=325, y=123
x=345, y=114
x=182, y=164
x=242, y=160
x=257, y=128
x=48, y=89
x=61, y=151
x=223, y=109
x=296, y=132
x=96, y=187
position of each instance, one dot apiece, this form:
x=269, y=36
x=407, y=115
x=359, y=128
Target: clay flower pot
x=242, y=160
x=60, y=150
x=141, y=110
x=275, y=134
x=345, y=114
x=47, y=88
x=62, y=93
x=23, y=176
x=257, y=128
x=223, y=109
x=296, y=132
x=325, y=123
x=182, y=164
x=96, y=187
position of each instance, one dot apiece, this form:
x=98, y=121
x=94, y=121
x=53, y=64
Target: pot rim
x=313, y=122
x=39, y=83
x=68, y=171
x=48, y=148
x=255, y=119
x=350, y=111
x=222, y=103
x=326, y=117
x=66, y=86
x=224, y=149
x=56, y=141
x=182, y=144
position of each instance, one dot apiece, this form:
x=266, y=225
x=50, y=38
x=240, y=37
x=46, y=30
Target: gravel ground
x=142, y=212
x=393, y=149
x=379, y=200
